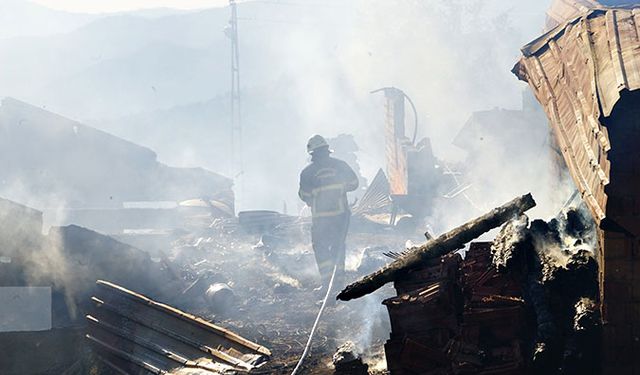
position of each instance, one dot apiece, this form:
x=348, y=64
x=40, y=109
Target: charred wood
x=444, y=244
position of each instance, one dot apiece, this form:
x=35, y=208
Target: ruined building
x=585, y=71
x=71, y=181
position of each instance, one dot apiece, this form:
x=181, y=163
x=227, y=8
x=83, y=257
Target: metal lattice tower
x=237, y=167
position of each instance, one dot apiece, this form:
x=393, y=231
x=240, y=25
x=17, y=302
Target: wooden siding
x=577, y=71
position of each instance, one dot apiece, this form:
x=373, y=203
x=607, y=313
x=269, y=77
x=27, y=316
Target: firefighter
x=323, y=186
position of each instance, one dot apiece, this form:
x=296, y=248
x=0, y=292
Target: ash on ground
x=266, y=288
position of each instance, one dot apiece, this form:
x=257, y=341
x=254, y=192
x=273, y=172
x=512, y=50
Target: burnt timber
x=134, y=334
x=446, y=243
x=586, y=73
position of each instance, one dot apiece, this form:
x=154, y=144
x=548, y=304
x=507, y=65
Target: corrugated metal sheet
x=376, y=197
x=577, y=71
x=136, y=335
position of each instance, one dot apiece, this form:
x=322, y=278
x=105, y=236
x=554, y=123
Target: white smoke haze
x=307, y=67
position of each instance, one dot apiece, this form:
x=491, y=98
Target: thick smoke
x=306, y=68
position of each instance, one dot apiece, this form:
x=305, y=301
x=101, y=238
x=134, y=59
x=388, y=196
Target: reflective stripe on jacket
x=324, y=185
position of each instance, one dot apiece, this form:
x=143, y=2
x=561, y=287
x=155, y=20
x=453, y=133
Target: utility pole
x=237, y=165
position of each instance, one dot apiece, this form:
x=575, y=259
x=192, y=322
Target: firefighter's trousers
x=328, y=235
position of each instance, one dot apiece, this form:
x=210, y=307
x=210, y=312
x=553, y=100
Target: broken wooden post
x=446, y=243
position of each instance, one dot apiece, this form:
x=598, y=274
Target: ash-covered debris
x=587, y=315
x=447, y=307
x=565, y=242
x=347, y=361
x=505, y=244
x=554, y=261
x=372, y=259
x=269, y=279
x=133, y=334
x=65, y=263
x=221, y=297
x=526, y=303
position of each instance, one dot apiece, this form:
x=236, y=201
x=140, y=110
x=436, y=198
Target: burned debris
x=192, y=280
x=69, y=184
x=460, y=317
x=347, y=361
x=60, y=267
x=55, y=274
x=444, y=244
x=592, y=108
x=525, y=303
x=555, y=264
x=132, y=333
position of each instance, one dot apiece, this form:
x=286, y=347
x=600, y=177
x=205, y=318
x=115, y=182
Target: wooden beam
x=446, y=243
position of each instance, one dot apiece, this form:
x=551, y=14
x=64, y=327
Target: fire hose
x=315, y=324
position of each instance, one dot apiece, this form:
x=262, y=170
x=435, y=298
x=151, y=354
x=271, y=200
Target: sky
x=101, y=6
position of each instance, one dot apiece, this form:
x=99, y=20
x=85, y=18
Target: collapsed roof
x=66, y=163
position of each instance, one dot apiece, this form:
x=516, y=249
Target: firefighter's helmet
x=315, y=143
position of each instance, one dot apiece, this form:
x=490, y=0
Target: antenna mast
x=237, y=167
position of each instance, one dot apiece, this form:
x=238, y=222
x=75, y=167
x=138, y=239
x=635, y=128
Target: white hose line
x=315, y=325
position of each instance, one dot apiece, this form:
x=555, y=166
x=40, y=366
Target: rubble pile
x=347, y=361
x=65, y=263
x=212, y=269
x=131, y=333
x=498, y=309
x=526, y=303
x=491, y=300
x=555, y=264
x=449, y=317
x=270, y=272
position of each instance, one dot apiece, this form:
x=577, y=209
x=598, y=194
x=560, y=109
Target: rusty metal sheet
x=578, y=72
x=134, y=334
x=395, y=148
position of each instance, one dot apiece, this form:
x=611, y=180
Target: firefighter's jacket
x=324, y=185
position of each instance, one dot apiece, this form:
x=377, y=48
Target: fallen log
x=446, y=243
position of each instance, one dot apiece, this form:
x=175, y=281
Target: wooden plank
x=232, y=338
x=164, y=336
